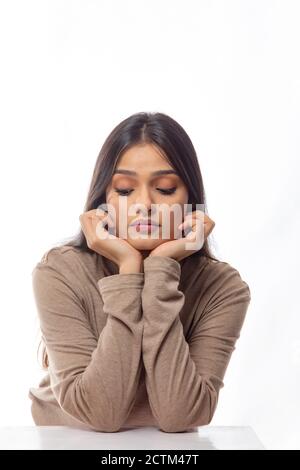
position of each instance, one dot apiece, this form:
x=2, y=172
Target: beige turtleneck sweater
x=136, y=349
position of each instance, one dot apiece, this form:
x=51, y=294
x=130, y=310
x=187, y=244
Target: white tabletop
x=64, y=437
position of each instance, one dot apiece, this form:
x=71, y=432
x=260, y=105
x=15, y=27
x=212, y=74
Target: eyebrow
x=154, y=173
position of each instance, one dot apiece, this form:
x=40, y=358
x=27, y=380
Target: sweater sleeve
x=94, y=380
x=183, y=378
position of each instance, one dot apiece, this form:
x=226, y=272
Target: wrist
x=131, y=266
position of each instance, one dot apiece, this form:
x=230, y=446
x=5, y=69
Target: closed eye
x=167, y=191
x=126, y=192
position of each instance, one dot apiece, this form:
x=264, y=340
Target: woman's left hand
x=177, y=248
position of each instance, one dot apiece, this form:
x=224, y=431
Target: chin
x=145, y=244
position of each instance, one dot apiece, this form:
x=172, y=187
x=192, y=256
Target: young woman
x=138, y=330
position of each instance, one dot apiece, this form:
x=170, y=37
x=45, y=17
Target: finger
x=196, y=215
x=208, y=225
x=89, y=215
x=187, y=218
x=101, y=215
x=94, y=225
x=101, y=231
x=190, y=219
x=100, y=224
x=100, y=211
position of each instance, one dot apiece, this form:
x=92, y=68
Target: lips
x=145, y=222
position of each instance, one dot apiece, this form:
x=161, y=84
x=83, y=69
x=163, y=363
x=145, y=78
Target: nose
x=144, y=199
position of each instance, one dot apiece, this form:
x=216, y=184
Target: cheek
x=116, y=213
x=113, y=202
x=183, y=196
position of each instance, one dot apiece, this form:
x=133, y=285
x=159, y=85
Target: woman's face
x=136, y=183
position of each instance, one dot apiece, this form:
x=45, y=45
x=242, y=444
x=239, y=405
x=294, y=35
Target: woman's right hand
x=116, y=249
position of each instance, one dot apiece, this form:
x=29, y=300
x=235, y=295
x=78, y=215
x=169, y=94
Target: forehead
x=143, y=158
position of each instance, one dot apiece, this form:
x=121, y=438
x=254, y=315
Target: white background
x=229, y=73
